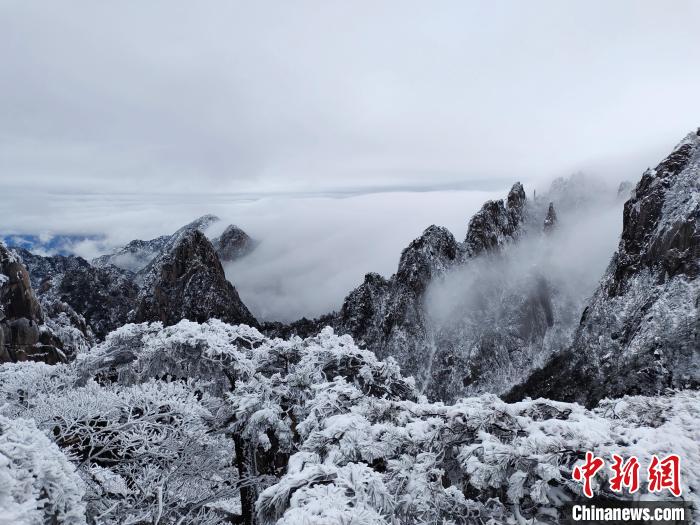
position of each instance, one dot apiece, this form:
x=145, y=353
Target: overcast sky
x=229, y=96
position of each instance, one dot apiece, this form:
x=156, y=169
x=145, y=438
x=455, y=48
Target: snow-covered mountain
x=480, y=315
x=640, y=333
x=232, y=244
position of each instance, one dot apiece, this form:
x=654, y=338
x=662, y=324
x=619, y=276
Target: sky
x=127, y=119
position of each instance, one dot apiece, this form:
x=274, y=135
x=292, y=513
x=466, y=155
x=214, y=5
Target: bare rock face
x=22, y=333
x=233, y=244
x=16, y=294
x=188, y=282
x=496, y=223
x=96, y=297
x=550, y=221
x=640, y=334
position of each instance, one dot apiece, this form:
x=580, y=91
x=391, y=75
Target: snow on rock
x=98, y=298
x=188, y=282
x=497, y=223
x=137, y=254
x=389, y=315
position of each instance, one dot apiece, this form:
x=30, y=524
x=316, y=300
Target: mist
x=556, y=270
x=313, y=251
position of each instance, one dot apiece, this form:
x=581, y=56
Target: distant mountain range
x=513, y=315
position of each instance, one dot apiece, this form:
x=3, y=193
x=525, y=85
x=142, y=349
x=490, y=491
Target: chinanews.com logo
x=662, y=478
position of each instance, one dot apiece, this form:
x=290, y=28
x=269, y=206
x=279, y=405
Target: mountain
x=389, y=316
x=187, y=282
x=478, y=316
x=83, y=302
x=199, y=417
x=640, y=333
x=136, y=255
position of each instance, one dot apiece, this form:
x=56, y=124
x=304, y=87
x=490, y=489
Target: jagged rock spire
x=17, y=297
x=496, y=222
x=427, y=256
x=550, y=221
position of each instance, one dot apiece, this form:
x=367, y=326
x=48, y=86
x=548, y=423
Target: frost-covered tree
x=478, y=461
x=38, y=484
x=146, y=452
x=205, y=423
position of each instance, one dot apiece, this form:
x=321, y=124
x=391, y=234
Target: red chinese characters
x=625, y=474
x=665, y=474
x=662, y=474
x=587, y=471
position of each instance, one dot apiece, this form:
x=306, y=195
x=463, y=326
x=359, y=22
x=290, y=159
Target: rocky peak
x=17, y=298
x=427, y=256
x=201, y=224
x=516, y=199
x=233, y=244
x=137, y=254
x=661, y=219
x=550, y=221
x=496, y=223
x=188, y=282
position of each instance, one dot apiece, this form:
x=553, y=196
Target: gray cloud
x=234, y=96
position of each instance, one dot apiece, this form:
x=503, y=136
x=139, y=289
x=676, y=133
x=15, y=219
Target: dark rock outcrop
x=188, y=282
x=550, y=220
x=16, y=295
x=496, y=223
x=233, y=244
x=640, y=334
x=23, y=335
x=101, y=296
